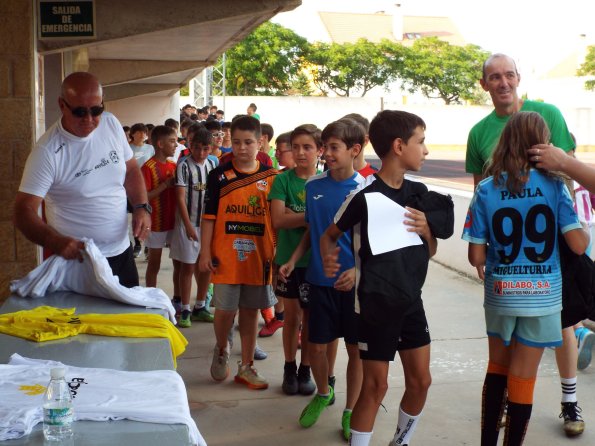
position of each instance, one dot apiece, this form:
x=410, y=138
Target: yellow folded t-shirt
x=48, y=323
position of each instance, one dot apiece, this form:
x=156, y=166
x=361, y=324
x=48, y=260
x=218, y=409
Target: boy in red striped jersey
x=158, y=173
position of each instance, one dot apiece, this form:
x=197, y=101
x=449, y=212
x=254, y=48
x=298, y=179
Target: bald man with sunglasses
x=85, y=171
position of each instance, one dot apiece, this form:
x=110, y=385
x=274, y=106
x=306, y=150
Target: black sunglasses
x=81, y=112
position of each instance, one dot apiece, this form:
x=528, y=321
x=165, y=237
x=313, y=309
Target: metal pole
x=224, y=81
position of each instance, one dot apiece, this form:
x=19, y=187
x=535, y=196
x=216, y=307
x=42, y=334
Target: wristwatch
x=146, y=206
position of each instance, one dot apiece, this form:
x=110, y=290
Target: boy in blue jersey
x=512, y=229
x=331, y=300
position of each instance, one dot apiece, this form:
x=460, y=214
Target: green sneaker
x=184, y=321
x=202, y=315
x=331, y=383
x=346, y=423
x=314, y=408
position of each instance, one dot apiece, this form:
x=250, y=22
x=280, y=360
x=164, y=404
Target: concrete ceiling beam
x=116, y=19
x=115, y=71
x=124, y=91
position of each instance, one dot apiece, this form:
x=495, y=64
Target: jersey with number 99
x=522, y=272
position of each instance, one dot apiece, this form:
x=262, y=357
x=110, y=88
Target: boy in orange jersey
x=158, y=173
x=237, y=247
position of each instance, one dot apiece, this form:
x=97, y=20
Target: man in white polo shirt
x=85, y=171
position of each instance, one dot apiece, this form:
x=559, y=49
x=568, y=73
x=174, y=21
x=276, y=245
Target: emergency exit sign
x=66, y=19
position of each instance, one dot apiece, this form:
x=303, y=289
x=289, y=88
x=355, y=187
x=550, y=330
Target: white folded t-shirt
x=157, y=396
x=91, y=277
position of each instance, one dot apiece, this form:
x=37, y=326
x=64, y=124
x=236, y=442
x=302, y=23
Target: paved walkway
x=230, y=414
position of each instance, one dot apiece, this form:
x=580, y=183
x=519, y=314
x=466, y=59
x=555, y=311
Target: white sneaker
x=220, y=364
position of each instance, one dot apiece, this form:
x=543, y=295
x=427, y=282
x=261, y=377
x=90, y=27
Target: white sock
x=200, y=304
x=405, y=427
x=568, y=390
x=186, y=307
x=360, y=438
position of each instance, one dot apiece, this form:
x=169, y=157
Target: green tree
x=443, y=71
x=300, y=86
x=588, y=68
x=266, y=62
x=395, y=55
x=349, y=67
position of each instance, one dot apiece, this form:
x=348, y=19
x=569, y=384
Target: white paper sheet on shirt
x=386, y=230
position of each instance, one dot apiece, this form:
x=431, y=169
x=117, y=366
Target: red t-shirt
x=164, y=205
x=367, y=170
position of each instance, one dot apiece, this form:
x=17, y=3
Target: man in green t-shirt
x=500, y=79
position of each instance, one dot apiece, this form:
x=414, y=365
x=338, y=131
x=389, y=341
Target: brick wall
x=17, y=133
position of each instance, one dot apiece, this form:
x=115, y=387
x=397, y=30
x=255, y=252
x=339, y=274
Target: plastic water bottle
x=57, y=408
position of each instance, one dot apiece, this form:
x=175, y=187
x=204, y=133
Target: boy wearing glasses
x=215, y=128
x=283, y=152
x=226, y=143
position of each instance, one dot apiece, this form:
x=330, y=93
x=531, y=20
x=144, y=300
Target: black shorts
x=295, y=288
x=407, y=330
x=124, y=267
x=332, y=315
x=571, y=316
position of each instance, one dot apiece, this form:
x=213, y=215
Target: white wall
x=146, y=109
x=285, y=113
x=446, y=125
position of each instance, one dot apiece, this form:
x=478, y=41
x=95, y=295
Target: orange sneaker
x=248, y=375
x=270, y=328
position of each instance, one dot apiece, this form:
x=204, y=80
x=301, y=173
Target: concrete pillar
x=19, y=106
x=52, y=79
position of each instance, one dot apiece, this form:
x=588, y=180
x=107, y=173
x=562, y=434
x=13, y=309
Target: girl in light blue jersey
x=512, y=226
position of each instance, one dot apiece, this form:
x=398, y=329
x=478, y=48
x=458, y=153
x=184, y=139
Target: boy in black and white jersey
x=391, y=313
x=191, y=184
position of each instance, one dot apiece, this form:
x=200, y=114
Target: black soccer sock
x=304, y=369
x=280, y=316
x=290, y=367
x=520, y=404
x=517, y=421
x=492, y=403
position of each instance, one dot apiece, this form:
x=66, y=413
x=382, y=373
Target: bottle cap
x=57, y=373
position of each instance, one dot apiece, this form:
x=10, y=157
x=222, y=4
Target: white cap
x=57, y=373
